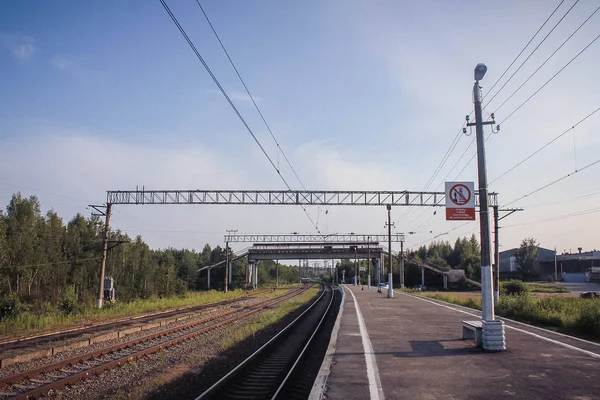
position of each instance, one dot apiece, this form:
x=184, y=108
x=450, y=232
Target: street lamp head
x=480, y=71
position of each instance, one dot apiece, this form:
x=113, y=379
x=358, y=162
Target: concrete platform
x=418, y=353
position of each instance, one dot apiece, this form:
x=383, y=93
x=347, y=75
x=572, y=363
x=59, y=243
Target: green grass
x=461, y=301
x=266, y=318
x=44, y=317
x=542, y=288
x=574, y=316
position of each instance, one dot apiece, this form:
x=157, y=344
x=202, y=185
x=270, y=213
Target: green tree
x=23, y=219
x=527, y=260
x=4, y=277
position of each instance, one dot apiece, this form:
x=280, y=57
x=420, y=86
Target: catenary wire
x=546, y=145
x=554, y=182
x=504, y=73
x=532, y=53
x=50, y=263
x=473, y=140
x=550, y=80
x=458, y=136
x=445, y=233
x=547, y=59
x=435, y=173
x=216, y=81
x=528, y=43
x=568, y=199
x=249, y=94
x=558, y=217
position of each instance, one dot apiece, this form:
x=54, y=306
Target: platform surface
x=418, y=353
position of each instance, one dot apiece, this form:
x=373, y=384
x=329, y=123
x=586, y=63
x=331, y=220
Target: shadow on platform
x=429, y=348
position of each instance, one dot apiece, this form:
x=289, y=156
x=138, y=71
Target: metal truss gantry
x=283, y=197
x=297, y=238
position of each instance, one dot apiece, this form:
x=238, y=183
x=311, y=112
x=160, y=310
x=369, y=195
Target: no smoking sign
x=460, y=201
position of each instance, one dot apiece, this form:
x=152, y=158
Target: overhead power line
x=458, y=136
x=436, y=172
x=569, y=199
x=534, y=50
x=216, y=81
x=558, y=217
x=249, y=94
x=50, y=263
x=546, y=145
x=499, y=79
x=551, y=79
x=554, y=182
x=445, y=233
x=547, y=59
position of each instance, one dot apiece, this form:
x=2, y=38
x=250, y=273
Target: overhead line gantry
x=283, y=197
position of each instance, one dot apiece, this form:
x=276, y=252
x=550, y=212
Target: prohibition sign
x=460, y=194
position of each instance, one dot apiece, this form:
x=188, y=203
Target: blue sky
x=361, y=95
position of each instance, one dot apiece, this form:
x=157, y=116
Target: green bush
x=10, y=307
x=68, y=302
x=514, y=287
x=588, y=321
x=514, y=305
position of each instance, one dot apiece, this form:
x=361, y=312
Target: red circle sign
x=460, y=194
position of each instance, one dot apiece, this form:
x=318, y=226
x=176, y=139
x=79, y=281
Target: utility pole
x=496, y=258
x=277, y=274
x=493, y=330
x=229, y=232
x=497, y=248
x=369, y=265
x=555, y=267
x=226, y=266
x=401, y=264
x=103, y=211
x=390, y=292
x=355, y=267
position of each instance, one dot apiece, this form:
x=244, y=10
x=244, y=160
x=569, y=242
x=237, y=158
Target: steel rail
x=308, y=343
x=219, y=384
x=62, y=382
x=125, y=320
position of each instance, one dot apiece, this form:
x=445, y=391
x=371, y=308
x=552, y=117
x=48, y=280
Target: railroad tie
x=41, y=381
x=21, y=386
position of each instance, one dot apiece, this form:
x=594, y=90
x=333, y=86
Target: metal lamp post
x=369, y=265
x=390, y=292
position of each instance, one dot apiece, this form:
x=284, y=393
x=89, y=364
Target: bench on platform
x=472, y=330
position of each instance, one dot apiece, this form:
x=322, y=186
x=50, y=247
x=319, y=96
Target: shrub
x=68, y=302
x=515, y=305
x=588, y=321
x=10, y=307
x=514, y=287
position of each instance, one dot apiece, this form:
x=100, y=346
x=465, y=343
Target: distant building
x=509, y=268
x=570, y=267
x=579, y=267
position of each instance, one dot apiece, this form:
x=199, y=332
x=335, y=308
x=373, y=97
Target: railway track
x=272, y=372
x=53, y=377
x=36, y=340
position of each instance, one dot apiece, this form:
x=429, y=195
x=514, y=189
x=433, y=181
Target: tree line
x=465, y=254
x=42, y=258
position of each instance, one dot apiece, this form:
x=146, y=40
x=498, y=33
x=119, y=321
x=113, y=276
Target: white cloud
x=61, y=63
x=22, y=47
x=238, y=96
